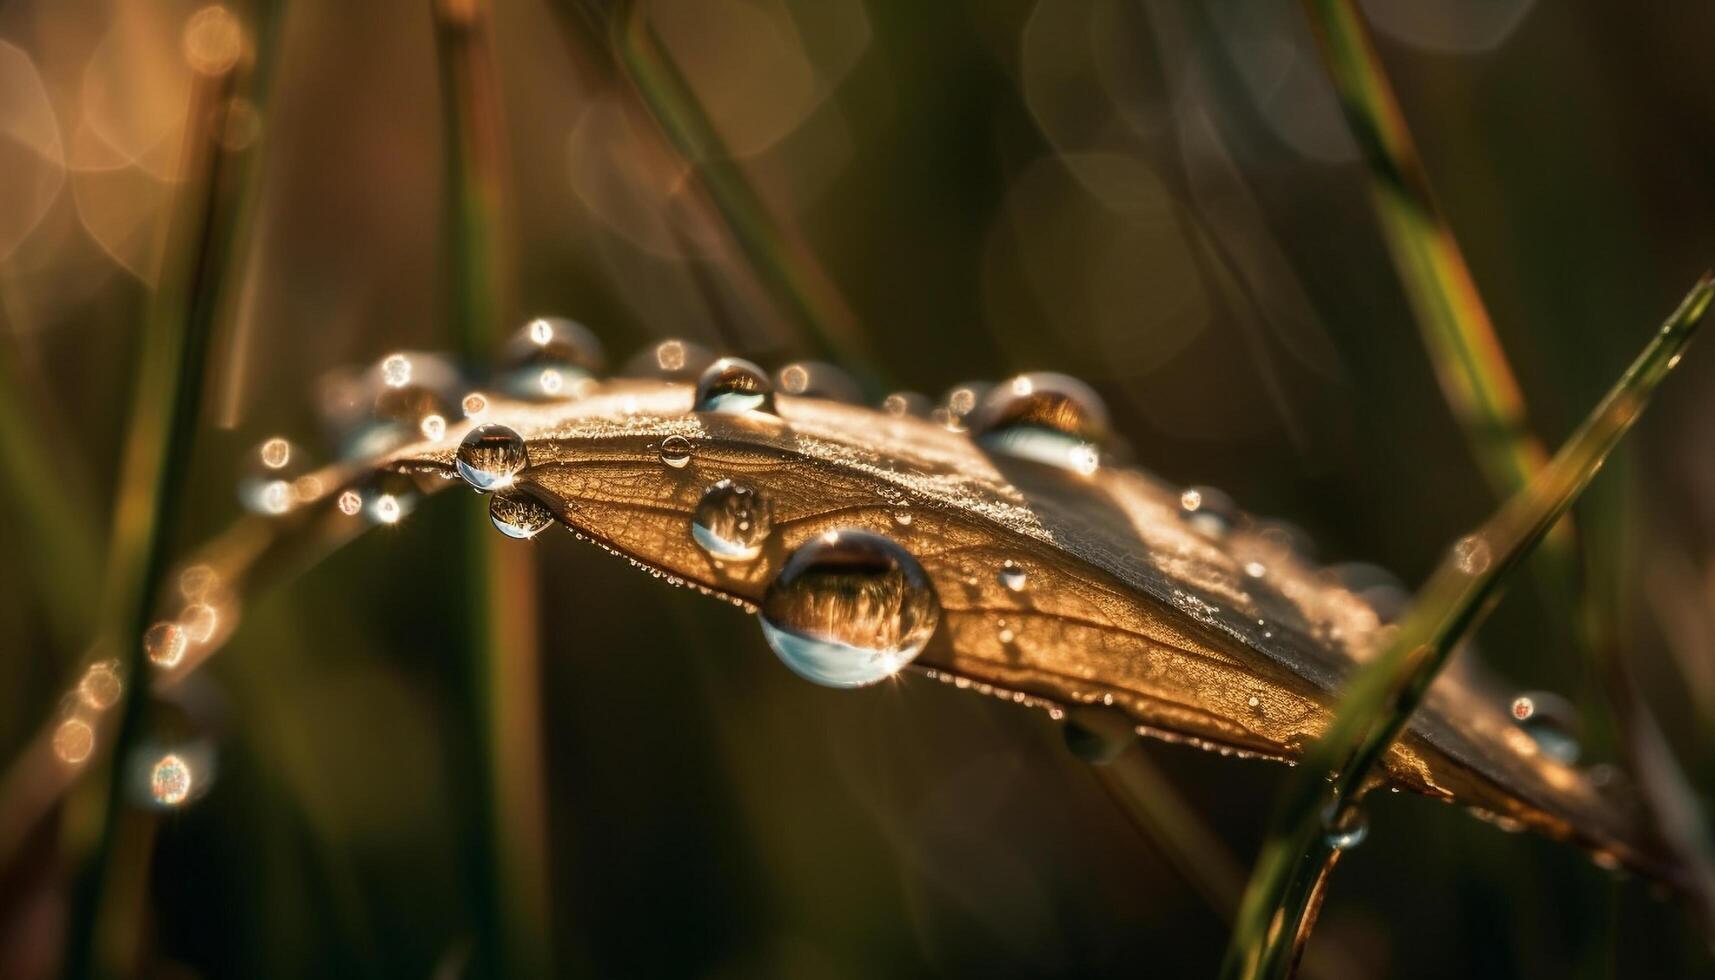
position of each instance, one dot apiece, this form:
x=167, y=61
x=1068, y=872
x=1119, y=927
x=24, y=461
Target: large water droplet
x=548, y=357
x=396, y=370
x=676, y=451
x=1552, y=723
x=732, y=521
x=490, y=455
x=849, y=608
x=1049, y=418
x=670, y=360
x=815, y=379
x=517, y=514
x=1345, y=827
x=733, y=385
x=165, y=643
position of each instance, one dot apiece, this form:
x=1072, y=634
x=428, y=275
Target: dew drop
x=1552, y=723
x=197, y=581
x=848, y=609
x=475, y=405
x=732, y=522
x=548, y=356
x=903, y=403
x=433, y=427
x=815, y=379
x=1472, y=554
x=670, y=360
x=350, y=503
x=101, y=687
x=1345, y=828
x=170, y=781
x=733, y=385
x=1209, y=511
x=199, y=621
x=396, y=370
x=1012, y=576
x=74, y=740
x=902, y=516
x=489, y=457
x=267, y=486
x=1255, y=569
x=387, y=508
x=1048, y=418
x=164, y=643
x=676, y=451
x=275, y=453
x=517, y=514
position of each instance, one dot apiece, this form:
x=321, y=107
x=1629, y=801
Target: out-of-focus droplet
x=548, y=357
x=1012, y=576
x=1209, y=511
x=848, y=609
x=74, y=740
x=734, y=385
x=670, y=360
x=490, y=455
x=815, y=379
x=396, y=370
x=196, y=582
x=170, y=781
x=518, y=514
x=271, y=472
x=164, y=643
x=1049, y=418
x=475, y=405
x=387, y=508
x=276, y=453
x=433, y=427
x=958, y=403
x=907, y=403
x=732, y=522
x=214, y=40
x=1346, y=828
x=199, y=620
x=350, y=502
x=101, y=687
x=676, y=451
x=1472, y=554
x=1552, y=723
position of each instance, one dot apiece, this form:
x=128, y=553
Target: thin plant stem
x=502, y=647
x=1469, y=362
x=1380, y=697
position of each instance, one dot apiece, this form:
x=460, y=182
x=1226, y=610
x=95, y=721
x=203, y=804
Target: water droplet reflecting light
x=676, y=451
x=490, y=455
x=1049, y=418
x=517, y=514
x=74, y=740
x=732, y=522
x=1012, y=576
x=733, y=385
x=164, y=643
x=170, y=781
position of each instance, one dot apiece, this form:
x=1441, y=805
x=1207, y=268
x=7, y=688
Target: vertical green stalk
x=508, y=859
x=1378, y=700
x=105, y=933
x=801, y=288
x=1469, y=362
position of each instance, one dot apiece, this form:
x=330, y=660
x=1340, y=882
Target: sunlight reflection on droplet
x=396, y=370
x=170, y=781
x=165, y=644
x=386, y=509
x=350, y=503
x=475, y=404
x=276, y=453
x=73, y=741
x=433, y=427
x=276, y=497
x=101, y=686
x=552, y=382
x=199, y=622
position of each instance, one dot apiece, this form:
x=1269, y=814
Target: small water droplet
x=1209, y=511
x=387, y=508
x=676, y=451
x=490, y=455
x=734, y=385
x=1012, y=576
x=548, y=357
x=903, y=403
x=74, y=740
x=1048, y=418
x=849, y=608
x=433, y=427
x=396, y=370
x=1552, y=723
x=101, y=687
x=275, y=453
x=518, y=514
x=267, y=486
x=815, y=379
x=475, y=405
x=199, y=621
x=350, y=503
x=170, y=781
x=902, y=516
x=672, y=360
x=732, y=522
x=164, y=643
x=1472, y=554
x=1346, y=827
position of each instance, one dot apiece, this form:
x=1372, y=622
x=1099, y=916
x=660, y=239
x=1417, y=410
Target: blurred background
x=1159, y=197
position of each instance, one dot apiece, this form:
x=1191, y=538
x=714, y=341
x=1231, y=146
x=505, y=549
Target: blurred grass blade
x=508, y=854
x=1469, y=362
x=801, y=288
x=1381, y=697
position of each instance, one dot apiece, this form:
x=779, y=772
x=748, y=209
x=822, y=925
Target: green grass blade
x=1469, y=362
x=1379, y=699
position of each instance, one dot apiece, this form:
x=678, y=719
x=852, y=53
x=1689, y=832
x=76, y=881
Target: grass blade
x=1469, y=361
x=1381, y=698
